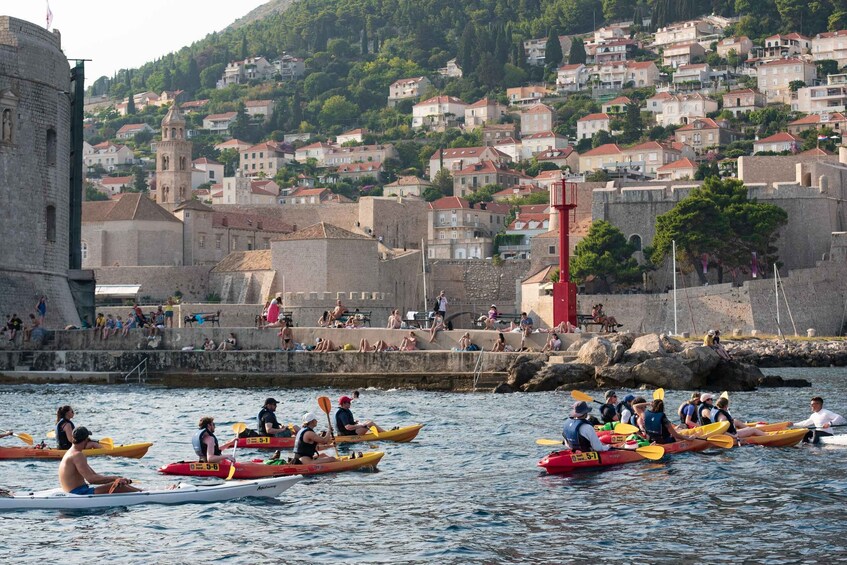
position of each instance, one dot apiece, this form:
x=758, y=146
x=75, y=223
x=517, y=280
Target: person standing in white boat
x=76, y=476
x=821, y=418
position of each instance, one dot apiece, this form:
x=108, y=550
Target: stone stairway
x=25, y=361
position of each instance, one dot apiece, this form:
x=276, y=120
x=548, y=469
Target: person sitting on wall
x=338, y=311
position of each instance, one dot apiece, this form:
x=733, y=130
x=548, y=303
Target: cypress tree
x=577, y=54
x=553, y=50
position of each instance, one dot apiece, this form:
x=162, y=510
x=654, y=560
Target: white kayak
x=57, y=499
x=840, y=439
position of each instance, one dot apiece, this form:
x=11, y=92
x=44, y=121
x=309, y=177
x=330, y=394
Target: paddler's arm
x=596, y=444
x=94, y=478
x=803, y=423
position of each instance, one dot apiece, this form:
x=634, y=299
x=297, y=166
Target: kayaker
x=578, y=432
x=737, y=429
x=821, y=418
x=607, y=410
x=306, y=442
x=268, y=424
x=639, y=406
x=346, y=425
x=625, y=412
x=65, y=429
x=704, y=411
x=205, y=443
x=76, y=476
x=687, y=411
x=657, y=426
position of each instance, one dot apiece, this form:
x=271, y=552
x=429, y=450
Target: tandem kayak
x=57, y=499
x=782, y=438
x=400, y=435
x=132, y=450
x=565, y=461
x=773, y=427
x=708, y=430
x=253, y=470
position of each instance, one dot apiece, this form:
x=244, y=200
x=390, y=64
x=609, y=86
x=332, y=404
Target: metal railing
x=141, y=369
x=477, y=370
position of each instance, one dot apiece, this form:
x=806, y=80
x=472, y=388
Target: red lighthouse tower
x=563, y=199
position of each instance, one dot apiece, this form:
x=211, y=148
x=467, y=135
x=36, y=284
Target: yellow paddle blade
x=107, y=442
x=325, y=404
x=51, y=434
x=374, y=431
x=651, y=452
x=231, y=471
x=239, y=427
x=26, y=438
x=577, y=395
x=626, y=429
x=724, y=394
x=659, y=394
x=543, y=441
x=723, y=440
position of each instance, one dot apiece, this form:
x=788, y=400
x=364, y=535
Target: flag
x=49, y=16
x=822, y=138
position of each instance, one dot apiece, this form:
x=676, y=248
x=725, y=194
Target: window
x=551, y=250
x=217, y=242
x=84, y=251
x=50, y=219
x=453, y=235
x=211, y=174
x=201, y=242
x=234, y=245
x=51, y=147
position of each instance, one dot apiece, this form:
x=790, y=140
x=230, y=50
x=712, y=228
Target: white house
x=535, y=143
x=572, y=78
x=588, y=125
x=106, y=155
x=219, y=123
x=778, y=142
x=204, y=170
x=537, y=118
x=774, y=77
x=682, y=108
x=482, y=112
x=438, y=112
x=407, y=88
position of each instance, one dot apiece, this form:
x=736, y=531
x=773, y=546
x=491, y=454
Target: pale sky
x=117, y=34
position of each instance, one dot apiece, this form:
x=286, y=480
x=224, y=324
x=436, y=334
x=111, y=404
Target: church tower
x=173, y=161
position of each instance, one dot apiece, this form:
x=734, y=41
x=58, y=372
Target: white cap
x=308, y=417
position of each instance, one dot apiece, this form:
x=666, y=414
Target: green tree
x=617, y=10
x=139, y=179
x=826, y=67
x=442, y=185
x=577, y=53
x=553, y=50
x=795, y=85
x=633, y=127
x=720, y=220
x=92, y=194
x=607, y=255
x=240, y=128
x=337, y=110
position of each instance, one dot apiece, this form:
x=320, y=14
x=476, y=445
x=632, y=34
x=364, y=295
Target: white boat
x=840, y=439
x=57, y=499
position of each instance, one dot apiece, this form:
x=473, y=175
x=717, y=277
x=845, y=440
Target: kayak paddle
x=577, y=395
x=106, y=442
x=625, y=429
x=326, y=405
x=238, y=427
x=652, y=452
x=723, y=440
x=26, y=438
x=543, y=441
x=374, y=431
x=659, y=394
x=724, y=394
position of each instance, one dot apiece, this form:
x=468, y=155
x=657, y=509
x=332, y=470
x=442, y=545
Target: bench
x=212, y=317
x=283, y=315
x=504, y=319
x=585, y=320
x=363, y=317
x=419, y=320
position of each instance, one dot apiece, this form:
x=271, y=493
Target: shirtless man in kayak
x=76, y=476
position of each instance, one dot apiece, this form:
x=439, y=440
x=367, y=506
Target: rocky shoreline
x=657, y=360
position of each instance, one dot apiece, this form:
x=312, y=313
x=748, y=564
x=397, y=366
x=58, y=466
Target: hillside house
x=703, y=134
x=616, y=105
x=438, y=113
x=128, y=131
x=259, y=109
x=458, y=230
x=743, y=101
x=741, y=45
x=477, y=175
x=774, y=77
x=525, y=95
x=537, y=118
x=685, y=32
x=482, y=112
x=535, y=143
x=588, y=125
x=205, y=171
x=406, y=89
x=406, y=186
x=290, y=68
x=265, y=158
x=781, y=46
x=572, y=78
x=835, y=121
x=824, y=98
x=778, y=142
x=683, y=54
x=830, y=45
x=682, y=169
x=456, y=159
x=219, y=123
x=683, y=108
x=107, y=155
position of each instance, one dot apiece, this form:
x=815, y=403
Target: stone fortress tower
x=35, y=162
x=173, y=162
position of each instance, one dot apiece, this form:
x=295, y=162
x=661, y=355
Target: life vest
x=608, y=413
x=302, y=448
x=654, y=427
x=61, y=436
x=263, y=413
x=702, y=420
x=717, y=412
x=575, y=441
x=199, y=446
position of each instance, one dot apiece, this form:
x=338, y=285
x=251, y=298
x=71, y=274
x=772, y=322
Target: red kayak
x=565, y=461
x=260, y=470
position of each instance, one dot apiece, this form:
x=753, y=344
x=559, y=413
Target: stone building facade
x=173, y=161
x=35, y=153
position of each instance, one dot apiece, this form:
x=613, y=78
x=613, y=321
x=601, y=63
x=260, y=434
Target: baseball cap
x=629, y=398
x=81, y=434
x=270, y=401
x=344, y=399
x=610, y=394
x=308, y=417
x=705, y=396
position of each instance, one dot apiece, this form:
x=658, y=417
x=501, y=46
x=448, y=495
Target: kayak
x=827, y=439
x=708, y=430
x=782, y=438
x=254, y=470
x=57, y=499
x=565, y=461
x=400, y=435
x=765, y=427
x=132, y=450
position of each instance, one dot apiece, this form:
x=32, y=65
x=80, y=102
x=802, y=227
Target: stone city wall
x=160, y=282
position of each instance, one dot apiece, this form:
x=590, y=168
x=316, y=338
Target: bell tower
x=173, y=162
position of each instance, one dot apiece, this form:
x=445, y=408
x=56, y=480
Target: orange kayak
x=131, y=450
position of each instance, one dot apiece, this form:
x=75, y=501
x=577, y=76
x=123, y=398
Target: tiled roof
x=321, y=230
x=639, y=64
x=543, y=135
x=483, y=102
x=442, y=100
x=131, y=206
x=739, y=92
x=664, y=95
x=592, y=117
x=407, y=81
x=194, y=205
x=455, y=202
x=539, y=108
x=410, y=181
x=466, y=152
x=259, y=260
x=707, y=122
x=551, y=154
x=681, y=164
x=370, y=166
x=108, y=181
x=544, y=274
x=780, y=137
x=618, y=100
x=782, y=62
x=571, y=67
x=221, y=117
x=816, y=119
x=605, y=149
x=126, y=128
x=255, y=103
x=205, y=161
x=817, y=151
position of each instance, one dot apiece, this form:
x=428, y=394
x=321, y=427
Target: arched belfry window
x=166, y=161
x=8, y=127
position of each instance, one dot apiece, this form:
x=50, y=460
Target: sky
x=116, y=35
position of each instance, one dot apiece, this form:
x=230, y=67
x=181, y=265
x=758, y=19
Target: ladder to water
x=141, y=370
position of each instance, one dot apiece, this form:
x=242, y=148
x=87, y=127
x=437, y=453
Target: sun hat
x=344, y=399
x=580, y=408
x=706, y=396
x=711, y=332
x=610, y=394
x=308, y=417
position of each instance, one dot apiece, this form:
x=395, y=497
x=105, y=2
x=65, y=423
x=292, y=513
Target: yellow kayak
x=781, y=438
x=708, y=430
x=765, y=427
x=400, y=435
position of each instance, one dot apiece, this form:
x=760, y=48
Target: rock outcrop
x=597, y=352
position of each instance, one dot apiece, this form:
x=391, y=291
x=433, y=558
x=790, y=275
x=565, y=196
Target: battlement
x=358, y=299
x=18, y=27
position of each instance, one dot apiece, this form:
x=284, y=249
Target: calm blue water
x=467, y=491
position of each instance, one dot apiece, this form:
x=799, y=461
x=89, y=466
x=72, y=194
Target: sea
x=467, y=490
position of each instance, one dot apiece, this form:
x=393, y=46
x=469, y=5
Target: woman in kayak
x=306, y=442
x=736, y=428
x=76, y=475
x=657, y=426
x=579, y=433
x=205, y=443
x=65, y=429
x=687, y=411
x=704, y=410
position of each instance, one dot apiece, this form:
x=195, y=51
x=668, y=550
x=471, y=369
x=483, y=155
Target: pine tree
x=364, y=40
x=130, y=103
x=553, y=50
x=244, y=52
x=577, y=54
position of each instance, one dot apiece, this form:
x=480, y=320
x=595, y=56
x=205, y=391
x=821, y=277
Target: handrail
x=477, y=370
x=141, y=368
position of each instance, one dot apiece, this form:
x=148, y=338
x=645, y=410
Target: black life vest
x=575, y=441
x=608, y=413
x=302, y=448
x=265, y=414
x=61, y=436
x=655, y=428
x=199, y=446
x=704, y=420
x=728, y=416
